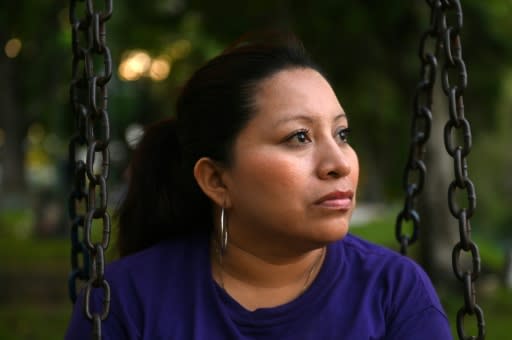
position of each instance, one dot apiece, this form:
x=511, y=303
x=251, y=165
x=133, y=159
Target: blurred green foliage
x=368, y=49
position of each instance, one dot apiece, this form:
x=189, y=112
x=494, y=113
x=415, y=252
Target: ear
x=208, y=175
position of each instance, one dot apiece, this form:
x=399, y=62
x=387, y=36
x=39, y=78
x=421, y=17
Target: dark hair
x=163, y=199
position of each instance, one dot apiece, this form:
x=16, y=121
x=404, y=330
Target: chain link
x=415, y=169
x=452, y=21
x=446, y=20
x=88, y=199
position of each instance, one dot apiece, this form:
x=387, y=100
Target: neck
x=258, y=281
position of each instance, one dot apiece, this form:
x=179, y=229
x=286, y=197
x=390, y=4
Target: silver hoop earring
x=223, y=231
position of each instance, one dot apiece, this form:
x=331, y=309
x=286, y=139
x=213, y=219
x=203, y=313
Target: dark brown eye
x=302, y=137
x=343, y=134
x=299, y=137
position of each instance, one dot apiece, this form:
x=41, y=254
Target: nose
x=334, y=160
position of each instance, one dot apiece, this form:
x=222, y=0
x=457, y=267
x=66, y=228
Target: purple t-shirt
x=363, y=291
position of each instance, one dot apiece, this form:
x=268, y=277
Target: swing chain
x=454, y=64
x=443, y=36
x=415, y=169
x=88, y=199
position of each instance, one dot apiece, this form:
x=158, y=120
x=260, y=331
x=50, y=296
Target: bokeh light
x=134, y=65
x=12, y=47
x=160, y=68
x=133, y=134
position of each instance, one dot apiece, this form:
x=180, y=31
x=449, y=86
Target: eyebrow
x=306, y=118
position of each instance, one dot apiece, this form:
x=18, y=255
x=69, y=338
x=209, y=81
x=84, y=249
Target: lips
x=339, y=200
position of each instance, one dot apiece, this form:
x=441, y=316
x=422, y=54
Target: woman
x=236, y=218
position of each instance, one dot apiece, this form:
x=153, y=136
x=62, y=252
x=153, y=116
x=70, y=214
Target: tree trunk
x=13, y=126
x=438, y=228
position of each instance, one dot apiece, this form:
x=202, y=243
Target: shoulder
x=143, y=286
x=143, y=274
x=144, y=259
x=359, y=250
x=403, y=288
x=399, y=276
x=166, y=254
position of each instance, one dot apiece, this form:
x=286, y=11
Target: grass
x=497, y=309
x=34, y=321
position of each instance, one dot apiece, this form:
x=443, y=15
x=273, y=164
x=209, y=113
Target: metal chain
x=445, y=36
x=88, y=199
x=415, y=169
x=451, y=25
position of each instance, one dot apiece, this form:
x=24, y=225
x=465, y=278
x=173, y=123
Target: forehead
x=298, y=91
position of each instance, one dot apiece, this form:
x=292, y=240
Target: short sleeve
x=415, y=311
x=426, y=325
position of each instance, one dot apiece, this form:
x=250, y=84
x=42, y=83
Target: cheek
x=273, y=174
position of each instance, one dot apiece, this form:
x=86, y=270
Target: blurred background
x=369, y=50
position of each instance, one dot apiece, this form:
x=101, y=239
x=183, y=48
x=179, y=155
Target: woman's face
x=293, y=179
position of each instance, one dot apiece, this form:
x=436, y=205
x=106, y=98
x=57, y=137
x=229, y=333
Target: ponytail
x=157, y=202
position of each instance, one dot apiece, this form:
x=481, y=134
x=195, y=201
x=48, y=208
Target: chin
x=339, y=233
x=333, y=232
